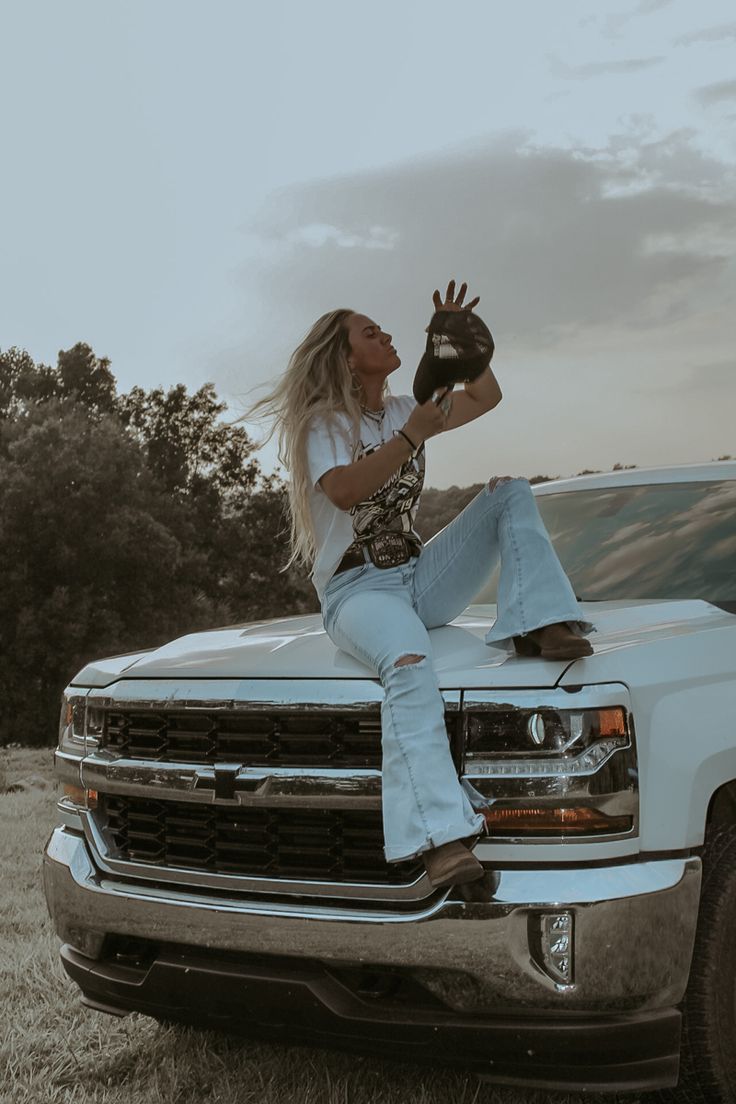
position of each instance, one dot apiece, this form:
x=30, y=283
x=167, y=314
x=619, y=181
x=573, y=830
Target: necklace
x=375, y=417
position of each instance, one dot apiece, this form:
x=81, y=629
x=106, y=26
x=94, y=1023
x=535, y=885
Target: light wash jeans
x=380, y=615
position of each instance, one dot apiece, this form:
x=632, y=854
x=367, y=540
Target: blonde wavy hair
x=317, y=382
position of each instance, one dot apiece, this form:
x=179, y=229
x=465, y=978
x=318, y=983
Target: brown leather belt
x=352, y=558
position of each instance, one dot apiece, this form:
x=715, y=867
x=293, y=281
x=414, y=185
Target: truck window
x=672, y=540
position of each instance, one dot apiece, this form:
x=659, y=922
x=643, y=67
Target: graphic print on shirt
x=393, y=506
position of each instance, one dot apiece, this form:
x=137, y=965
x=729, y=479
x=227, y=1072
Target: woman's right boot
x=451, y=864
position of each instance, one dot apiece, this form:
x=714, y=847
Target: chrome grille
x=309, y=844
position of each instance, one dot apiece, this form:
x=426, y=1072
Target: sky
x=188, y=186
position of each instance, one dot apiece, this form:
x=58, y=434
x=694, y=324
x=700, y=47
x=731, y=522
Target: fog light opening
x=554, y=944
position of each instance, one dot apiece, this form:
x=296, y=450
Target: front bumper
x=455, y=981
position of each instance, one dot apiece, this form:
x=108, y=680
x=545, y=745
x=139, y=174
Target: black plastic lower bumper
x=306, y=1003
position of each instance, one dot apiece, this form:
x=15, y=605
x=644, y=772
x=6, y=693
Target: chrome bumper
x=633, y=923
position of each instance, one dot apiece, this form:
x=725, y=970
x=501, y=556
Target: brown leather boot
x=553, y=642
x=451, y=864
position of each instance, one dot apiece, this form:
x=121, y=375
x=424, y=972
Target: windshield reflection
x=675, y=540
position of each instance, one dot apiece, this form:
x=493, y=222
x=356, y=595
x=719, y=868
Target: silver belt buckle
x=389, y=550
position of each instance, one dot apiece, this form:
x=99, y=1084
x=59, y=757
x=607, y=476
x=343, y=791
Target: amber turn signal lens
x=85, y=798
x=612, y=722
x=580, y=821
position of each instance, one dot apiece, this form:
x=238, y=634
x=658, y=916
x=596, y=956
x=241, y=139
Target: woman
x=355, y=455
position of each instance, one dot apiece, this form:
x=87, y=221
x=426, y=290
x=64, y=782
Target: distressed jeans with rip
x=381, y=617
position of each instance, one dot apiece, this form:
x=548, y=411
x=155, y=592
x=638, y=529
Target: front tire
x=708, y=1052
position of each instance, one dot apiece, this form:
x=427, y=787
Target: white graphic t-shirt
x=392, y=507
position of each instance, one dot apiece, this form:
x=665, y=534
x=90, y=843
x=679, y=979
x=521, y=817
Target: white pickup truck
x=220, y=857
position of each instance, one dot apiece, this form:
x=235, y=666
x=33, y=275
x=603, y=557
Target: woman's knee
x=497, y=480
x=402, y=664
x=411, y=658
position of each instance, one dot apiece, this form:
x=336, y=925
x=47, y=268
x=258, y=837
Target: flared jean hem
x=474, y=827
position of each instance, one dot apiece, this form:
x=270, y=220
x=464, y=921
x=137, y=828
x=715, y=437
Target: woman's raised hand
x=451, y=301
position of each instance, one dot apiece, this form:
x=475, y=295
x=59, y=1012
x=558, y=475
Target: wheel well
x=722, y=807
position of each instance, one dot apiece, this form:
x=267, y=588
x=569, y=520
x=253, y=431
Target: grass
x=54, y=1051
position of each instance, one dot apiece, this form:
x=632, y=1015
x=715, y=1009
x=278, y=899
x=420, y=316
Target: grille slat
x=322, y=845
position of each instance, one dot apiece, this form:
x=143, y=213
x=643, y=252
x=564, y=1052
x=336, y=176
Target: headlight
x=544, y=742
x=547, y=770
x=80, y=725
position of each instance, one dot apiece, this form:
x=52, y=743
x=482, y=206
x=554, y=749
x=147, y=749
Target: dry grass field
x=54, y=1051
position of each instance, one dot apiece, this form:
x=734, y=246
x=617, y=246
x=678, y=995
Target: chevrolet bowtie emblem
x=225, y=775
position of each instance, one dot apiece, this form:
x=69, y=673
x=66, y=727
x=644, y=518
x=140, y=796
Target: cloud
x=613, y=23
x=646, y=7
x=716, y=93
x=696, y=379
x=601, y=68
x=318, y=234
x=557, y=242
x=722, y=33
x=721, y=374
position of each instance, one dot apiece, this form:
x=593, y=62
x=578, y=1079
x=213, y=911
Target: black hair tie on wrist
x=407, y=438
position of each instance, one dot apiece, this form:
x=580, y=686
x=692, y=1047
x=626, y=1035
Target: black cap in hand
x=459, y=348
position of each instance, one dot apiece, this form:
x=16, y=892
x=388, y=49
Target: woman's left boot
x=553, y=642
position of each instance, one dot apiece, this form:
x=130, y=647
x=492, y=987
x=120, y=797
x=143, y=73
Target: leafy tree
x=90, y=557
x=236, y=517
x=124, y=521
x=79, y=376
x=250, y=547
x=187, y=447
x=23, y=384
x=88, y=379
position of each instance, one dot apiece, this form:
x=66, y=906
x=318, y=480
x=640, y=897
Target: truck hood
x=299, y=648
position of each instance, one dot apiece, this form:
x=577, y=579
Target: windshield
x=673, y=540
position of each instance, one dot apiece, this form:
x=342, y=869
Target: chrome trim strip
x=295, y=787
x=317, y=912
x=67, y=766
x=70, y=814
x=418, y=890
